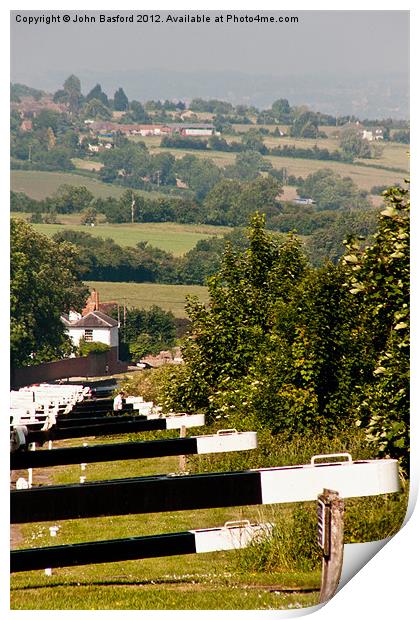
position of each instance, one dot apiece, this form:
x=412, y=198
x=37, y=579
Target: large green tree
x=73, y=93
x=379, y=279
x=97, y=93
x=44, y=283
x=229, y=335
x=120, y=100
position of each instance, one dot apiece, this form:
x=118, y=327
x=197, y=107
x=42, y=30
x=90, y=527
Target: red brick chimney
x=92, y=303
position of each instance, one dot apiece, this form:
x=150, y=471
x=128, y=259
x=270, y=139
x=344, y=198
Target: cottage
x=92, y=325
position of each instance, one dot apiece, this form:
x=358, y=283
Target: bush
x=85, y=348
x=153, y=384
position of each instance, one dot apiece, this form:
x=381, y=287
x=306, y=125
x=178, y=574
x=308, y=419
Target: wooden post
x=182, y=458
x=330, y=538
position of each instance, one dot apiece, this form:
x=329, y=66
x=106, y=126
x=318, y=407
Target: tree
x=147, y=331
x=354, y=145
x=247, y=166
x=97, y=93
x=73, y=93
x=331, y=191
x=281, y=110
x=261, y=194
x=71, y=198
x=253, y=142
x=229, y=335
x=220, y=202
x=379, y=280
x=44, y=283
x=137, y=113
x=305, y=121
x=201, y=175
x=97, y=109
x=89, y=216
x=120, y=100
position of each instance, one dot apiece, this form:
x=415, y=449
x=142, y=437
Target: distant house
x=373, y=134
x=367, y=135
x=26, y=125
x=303, y=201
x=192, y=129
x=92, y=325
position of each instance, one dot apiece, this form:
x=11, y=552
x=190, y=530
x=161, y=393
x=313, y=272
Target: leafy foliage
x=146, y=331
x=86, y=348
x=379, y=279
x=302, y=350
x=44, y=283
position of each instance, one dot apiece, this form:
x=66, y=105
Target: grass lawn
x=197, y=581
x=175, y=238
x=167, y=296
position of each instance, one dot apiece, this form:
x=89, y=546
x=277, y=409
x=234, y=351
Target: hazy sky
x=354, y=42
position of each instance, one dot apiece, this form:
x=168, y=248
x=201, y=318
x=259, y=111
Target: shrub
x=85, y=348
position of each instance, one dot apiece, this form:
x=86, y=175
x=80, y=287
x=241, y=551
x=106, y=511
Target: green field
x=365, y=176
x=175, y=238
x=39, y=184
x=167, y=296
x=196, y=581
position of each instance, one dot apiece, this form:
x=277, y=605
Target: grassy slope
x=167, y=296
x=175, y=238
x=199, y=581
x=39, y=184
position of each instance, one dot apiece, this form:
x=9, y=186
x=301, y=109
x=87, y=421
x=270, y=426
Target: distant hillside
x=365, y=96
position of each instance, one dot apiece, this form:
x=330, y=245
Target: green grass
x=40, y=184
x=175, y=238
x=197, y=581
x=365, y=176
x=167, y=296
x=87, y=164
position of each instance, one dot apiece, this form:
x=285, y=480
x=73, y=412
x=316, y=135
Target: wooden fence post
x=182, y=458
x=330, y=538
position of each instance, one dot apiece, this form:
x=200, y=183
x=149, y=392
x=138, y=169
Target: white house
x=95, y=326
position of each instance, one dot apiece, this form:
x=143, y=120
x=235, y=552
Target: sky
x=332, y=42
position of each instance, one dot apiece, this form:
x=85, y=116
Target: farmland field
x=365, y=176
x=87, y=164
x=40, y=184
x=167, y=296
x=171, y=237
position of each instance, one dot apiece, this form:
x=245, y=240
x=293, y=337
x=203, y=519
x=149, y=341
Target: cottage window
x=89, y=335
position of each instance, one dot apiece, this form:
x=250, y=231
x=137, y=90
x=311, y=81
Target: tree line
x=253, y=142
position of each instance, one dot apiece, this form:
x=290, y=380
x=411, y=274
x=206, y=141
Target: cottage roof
x=95, y=318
